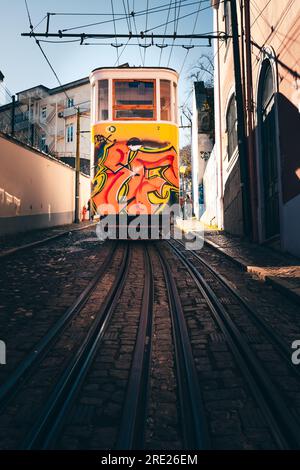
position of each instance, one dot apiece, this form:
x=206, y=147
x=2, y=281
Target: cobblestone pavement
x=235, y=420
x=38, y=285
x=281, y=270
x=163, y=429
x=96, y=414
x=22, y=411
x=280, y=312
x=10, y=241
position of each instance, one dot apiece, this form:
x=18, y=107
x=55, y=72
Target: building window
x=268, y=150
x=231, y=127
x=165, y=100
x=31, y=112
x=43, y=142
x=70, y=133
x=103, y=100
x=175, y=110
x=70, y=102
x=44, y=112
x=134, y=99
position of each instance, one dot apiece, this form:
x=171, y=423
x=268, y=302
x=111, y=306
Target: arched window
x=231, y=127
x=268, y=150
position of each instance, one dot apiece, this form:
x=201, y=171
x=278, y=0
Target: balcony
x=67, y=112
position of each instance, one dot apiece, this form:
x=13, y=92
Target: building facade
x=202, y=142
x=270, y=73
x=47, y=119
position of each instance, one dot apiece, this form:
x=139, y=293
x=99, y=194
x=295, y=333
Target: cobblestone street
x=146, y=345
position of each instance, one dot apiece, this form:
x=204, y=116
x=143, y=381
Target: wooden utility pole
x=241, y=130
x=77, y=170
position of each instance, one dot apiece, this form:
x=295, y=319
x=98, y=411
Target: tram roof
x=122, y=67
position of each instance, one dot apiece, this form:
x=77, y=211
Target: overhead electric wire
x=40, y=22
x=129, y=30
x=133, y=14
x=135, y=29
x=60, y=41
x=121, y=53
x=165, y=30
x=175, y=31
x=117, y=46
x=188, y=50
x=52, y=68
x=127, y=16
x=181, y=17
x=146, y=26
x=28, y=14
x=184, y=46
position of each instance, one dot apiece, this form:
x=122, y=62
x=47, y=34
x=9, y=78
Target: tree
x=186, y=159
x=203, y=70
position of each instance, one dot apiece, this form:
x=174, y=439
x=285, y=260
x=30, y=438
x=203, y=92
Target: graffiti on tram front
x=134, y=174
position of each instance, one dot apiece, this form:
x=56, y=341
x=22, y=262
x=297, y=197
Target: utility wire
x=165, y=30
x=175, y=31
x=129, y=29
x=117, y=46
x=28, y=14
x=133, y=14
x=52, y=68
x=129, y=19
x=146, y=26
x=188, y=50
x=180, y=18
x=127, y=16
x=135, y=29
x=40, y=22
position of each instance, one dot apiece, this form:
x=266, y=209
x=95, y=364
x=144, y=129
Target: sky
x=23, y=65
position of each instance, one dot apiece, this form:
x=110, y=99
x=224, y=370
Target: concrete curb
x=278, y=284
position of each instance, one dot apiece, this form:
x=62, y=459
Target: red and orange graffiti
x=133, y=177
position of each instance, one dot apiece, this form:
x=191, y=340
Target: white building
x=46, y=118
x=202, y=144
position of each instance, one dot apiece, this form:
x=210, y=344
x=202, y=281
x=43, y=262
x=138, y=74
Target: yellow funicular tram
x=135, y=136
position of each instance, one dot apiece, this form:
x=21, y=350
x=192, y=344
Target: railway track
x=45, y=431
x=52, y=421
x=194, y=426
x=28, y=366
x=281, y=420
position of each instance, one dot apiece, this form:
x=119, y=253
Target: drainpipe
x=241, y=125
x=218, y=127
x=250, y=122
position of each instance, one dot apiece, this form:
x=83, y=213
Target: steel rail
x=281, y=346
x=132, y=428
x=282, y=423
x=46, y=430
x=27, y=366
x=193, y=420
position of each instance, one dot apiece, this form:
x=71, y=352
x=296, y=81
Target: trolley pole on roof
x=77, y=169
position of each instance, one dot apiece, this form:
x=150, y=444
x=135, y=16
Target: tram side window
x=134, y=99
x=165, y=100
x=175, y=110
x=103, y=100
